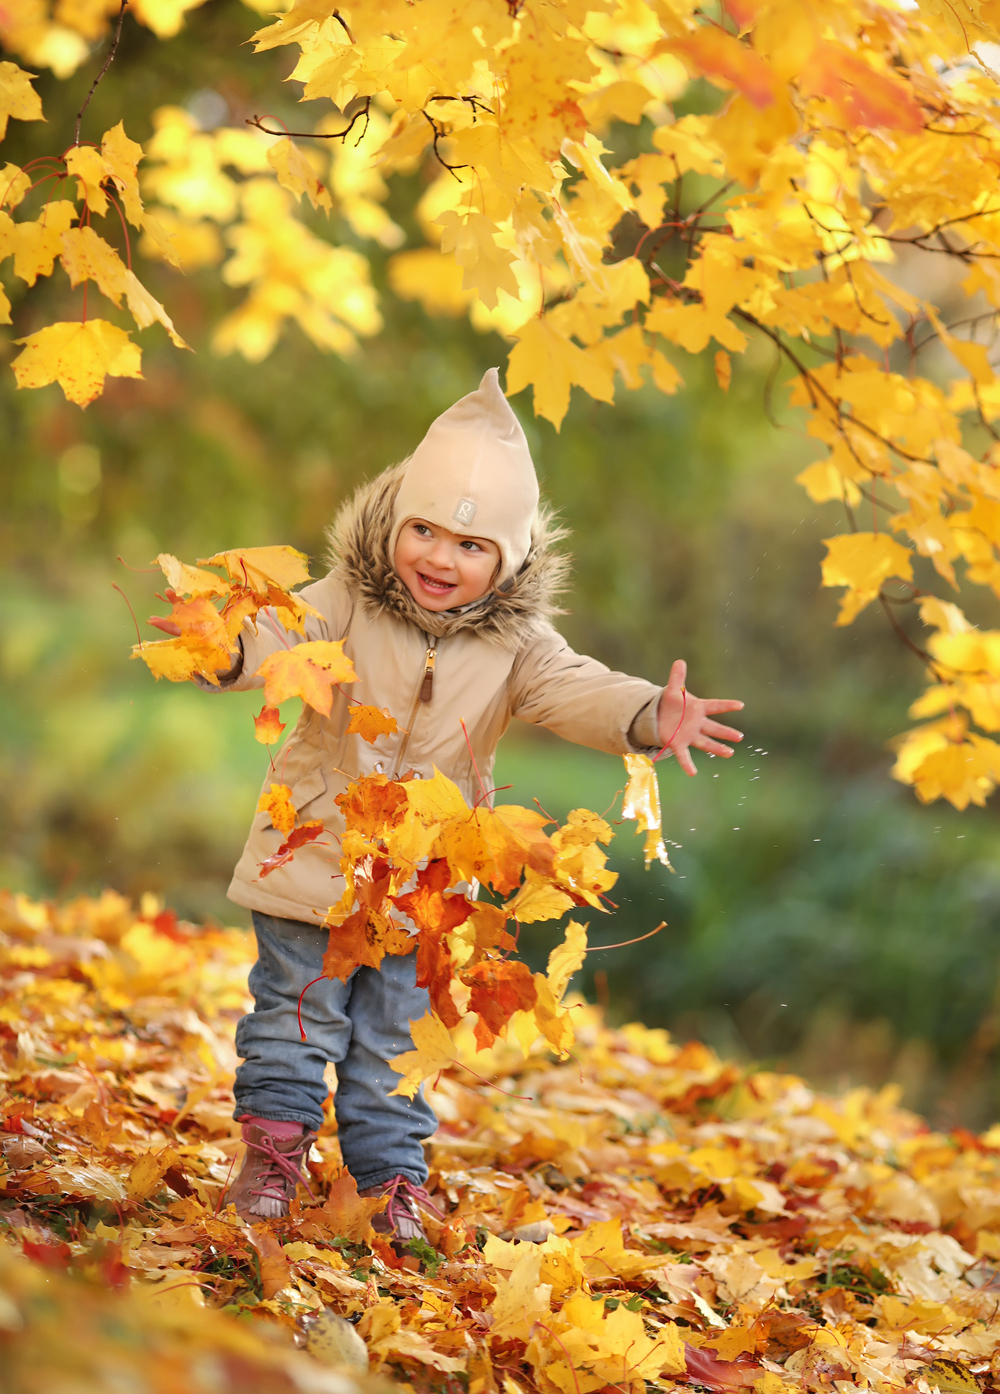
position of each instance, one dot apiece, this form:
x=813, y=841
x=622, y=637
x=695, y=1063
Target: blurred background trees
x=819, y=917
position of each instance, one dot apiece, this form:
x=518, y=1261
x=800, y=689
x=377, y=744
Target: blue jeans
x=358, y=1025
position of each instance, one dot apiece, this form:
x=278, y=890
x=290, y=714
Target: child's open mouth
x=434, y=586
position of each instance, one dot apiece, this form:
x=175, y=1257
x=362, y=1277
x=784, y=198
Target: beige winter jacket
x=496, y=660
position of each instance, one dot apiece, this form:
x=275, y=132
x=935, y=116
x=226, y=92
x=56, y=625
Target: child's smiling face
x=440, y=569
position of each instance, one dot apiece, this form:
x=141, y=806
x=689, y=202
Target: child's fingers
x=711, y=747
x=724, y=733
x=678, y=675
x=714, y=705
x=683, y=757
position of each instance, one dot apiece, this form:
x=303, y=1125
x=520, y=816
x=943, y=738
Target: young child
x=442, y=585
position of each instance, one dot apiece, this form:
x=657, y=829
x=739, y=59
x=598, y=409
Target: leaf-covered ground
x=641, y=1215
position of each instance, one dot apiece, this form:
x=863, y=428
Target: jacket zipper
x=424, y=693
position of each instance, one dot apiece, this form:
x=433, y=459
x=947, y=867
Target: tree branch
x=107, y=64
x=318, y=135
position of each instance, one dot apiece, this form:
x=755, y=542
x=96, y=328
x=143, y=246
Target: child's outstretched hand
x=686, y=720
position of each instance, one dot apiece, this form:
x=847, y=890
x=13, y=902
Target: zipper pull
x=427, y=686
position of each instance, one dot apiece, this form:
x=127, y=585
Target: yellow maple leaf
x=566, y=959
x=17, y=96
x=189, y=580
x=308, y=671
x=77, y=356
x=277, y=804
x=552, y=364
x=87, y=257
x=641, y=801
x=145, y=309
x=863, y=561
x=298, y=173
x=87, y=164
x=538, y=899
x=14, y=184
x=258, y=566
x=121, y=160
x=470, y=237
x=172, y=659
x=37, y=244
x=433, y=1051
x=521, y=1299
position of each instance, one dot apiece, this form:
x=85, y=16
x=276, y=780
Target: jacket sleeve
x=582, y=700
x=265, y=634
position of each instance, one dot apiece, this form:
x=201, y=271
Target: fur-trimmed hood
x=359, y=556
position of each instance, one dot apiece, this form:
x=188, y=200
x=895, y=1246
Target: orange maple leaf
x=367, y=935
x=372, y=805
x=499, y=989
x=298, y=837
x=268, y=725
x=369, y=723
x=308, y=671
x=344, y=1214
x=429, y=906
x=861, y=94
x=716, y=53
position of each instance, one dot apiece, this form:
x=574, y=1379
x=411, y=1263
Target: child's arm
x=266, y=634
x=583, y=701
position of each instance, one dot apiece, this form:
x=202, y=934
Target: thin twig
x=901, y=634
x=318, y=135
x=439, y=133
x=107, y=64
x=343, y=24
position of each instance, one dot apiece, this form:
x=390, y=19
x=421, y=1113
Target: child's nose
x=441, y=553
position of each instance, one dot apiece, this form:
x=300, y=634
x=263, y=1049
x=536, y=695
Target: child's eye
x=471, y=546
x=422, y=529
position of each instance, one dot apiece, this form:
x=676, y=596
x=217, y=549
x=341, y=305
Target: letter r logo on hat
x=464, y=512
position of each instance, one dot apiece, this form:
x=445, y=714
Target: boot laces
x=281, y=1167
x=402, y=1194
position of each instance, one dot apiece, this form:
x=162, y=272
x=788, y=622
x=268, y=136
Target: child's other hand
x=686, y=720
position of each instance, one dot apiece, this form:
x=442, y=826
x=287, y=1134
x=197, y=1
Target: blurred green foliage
x=818, y=917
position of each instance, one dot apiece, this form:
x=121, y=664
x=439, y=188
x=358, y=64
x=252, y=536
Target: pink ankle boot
x=271, y=1169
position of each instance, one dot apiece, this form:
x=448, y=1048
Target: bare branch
x=107, y=64
x=318, y=135
x=439, y=132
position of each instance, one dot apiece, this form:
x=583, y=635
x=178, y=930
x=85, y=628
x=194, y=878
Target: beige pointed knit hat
x=473, y=474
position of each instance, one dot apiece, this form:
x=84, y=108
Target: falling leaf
x=309, y=671
x=370, y=722
x=432, y=1051
x=641, y=801
x=298, y=837
x=268, y=725
x=277, y=804
x=723, y=369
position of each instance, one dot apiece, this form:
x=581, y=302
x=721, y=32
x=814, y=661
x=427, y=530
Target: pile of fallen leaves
x=641, y=1214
